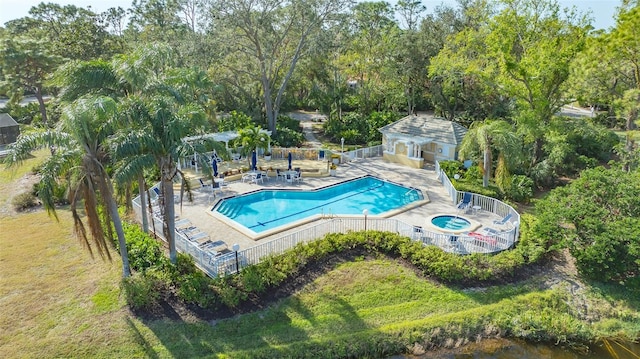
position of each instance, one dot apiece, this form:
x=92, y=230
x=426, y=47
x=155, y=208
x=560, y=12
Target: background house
x=9, y=129
x=414, y=139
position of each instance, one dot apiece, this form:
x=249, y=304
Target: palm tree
x=252, y=138
x=80, y=158
x=486, y=135
x=157, y=131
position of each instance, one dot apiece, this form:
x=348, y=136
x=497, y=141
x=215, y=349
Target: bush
x=144, y=251
x=142, y=291
x=452, y=168
x=196, y=288
x=521, y=189
x=286, y=137
x=24, y=201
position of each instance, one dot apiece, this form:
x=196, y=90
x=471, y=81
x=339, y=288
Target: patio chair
x=504, y=220
x=466, y=202
x=321, y=155
x=280, y=175
x=259, y=177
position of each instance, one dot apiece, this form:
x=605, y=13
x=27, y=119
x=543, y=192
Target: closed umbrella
x=254, y=161
x=214, y=165
x=289, y=158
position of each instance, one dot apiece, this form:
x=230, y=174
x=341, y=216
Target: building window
x=391, y=146
x=416, y=150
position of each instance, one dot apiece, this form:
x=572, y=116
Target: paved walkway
x=307, y=119
x=425, y=179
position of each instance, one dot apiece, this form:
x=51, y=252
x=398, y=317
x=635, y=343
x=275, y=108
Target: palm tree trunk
x=117, y=224
x=169, y=217
x=142, y=189
x=487, y=166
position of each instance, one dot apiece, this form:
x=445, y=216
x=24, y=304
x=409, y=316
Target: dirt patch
x=22, y=185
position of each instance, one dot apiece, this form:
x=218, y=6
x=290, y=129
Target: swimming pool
x=266, y=210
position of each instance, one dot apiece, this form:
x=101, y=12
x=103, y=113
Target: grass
x=58, y=302
x=8, y=176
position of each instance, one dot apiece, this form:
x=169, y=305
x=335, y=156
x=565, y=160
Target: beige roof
x=427, y=128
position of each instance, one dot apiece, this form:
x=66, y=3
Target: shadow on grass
x=148, y=350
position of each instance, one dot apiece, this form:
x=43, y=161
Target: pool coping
x=256, y=236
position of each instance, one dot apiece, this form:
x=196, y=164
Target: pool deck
x=424, y=179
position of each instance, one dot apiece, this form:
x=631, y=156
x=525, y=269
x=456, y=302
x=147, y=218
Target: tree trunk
x=142, y=189
x=487, y=166
x=43, y=109
x=117, y=224
x=169, y=209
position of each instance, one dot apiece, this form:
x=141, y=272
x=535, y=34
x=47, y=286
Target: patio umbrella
x=289, y=158
x=254, y=161
x=214, y=164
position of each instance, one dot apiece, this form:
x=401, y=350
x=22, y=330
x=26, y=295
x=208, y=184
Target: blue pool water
x=264, y=210
x=450, y=222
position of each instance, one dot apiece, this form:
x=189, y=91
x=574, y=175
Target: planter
x=267, y=158
x=335, y=161
x=332, y=173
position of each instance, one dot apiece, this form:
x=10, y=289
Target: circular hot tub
x=451, y=223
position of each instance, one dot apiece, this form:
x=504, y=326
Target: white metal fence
x=361, y=153
x=502, y=238
x=466, y=243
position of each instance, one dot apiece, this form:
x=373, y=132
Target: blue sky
x=602, y=11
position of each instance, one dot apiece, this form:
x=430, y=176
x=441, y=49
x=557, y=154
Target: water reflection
x=509, y=349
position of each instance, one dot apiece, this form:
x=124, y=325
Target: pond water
x=509, y=349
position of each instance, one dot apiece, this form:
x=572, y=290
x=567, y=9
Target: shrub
x=24, y=201
x=144, y=251
x=141, y=291
x=452, y=168
x=286, y=137
x=520, y=190
x=196, y=288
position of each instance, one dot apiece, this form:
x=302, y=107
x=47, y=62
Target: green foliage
x=473, y=173
x=356, y=128
x=576, y=144
x=24, y=201
x=142, y=291
x=596, y=216
x=234, y=122
x=289, y=132
x=144, y=251
x=195, y=288
x=520, y=189
x=476, y=187
x=452, y=168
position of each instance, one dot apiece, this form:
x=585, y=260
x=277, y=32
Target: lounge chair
x=486, y=238
x=466, y=201
x=156, y=190
x=504, y=220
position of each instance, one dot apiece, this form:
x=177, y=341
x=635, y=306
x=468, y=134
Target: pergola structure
x=221, y=137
